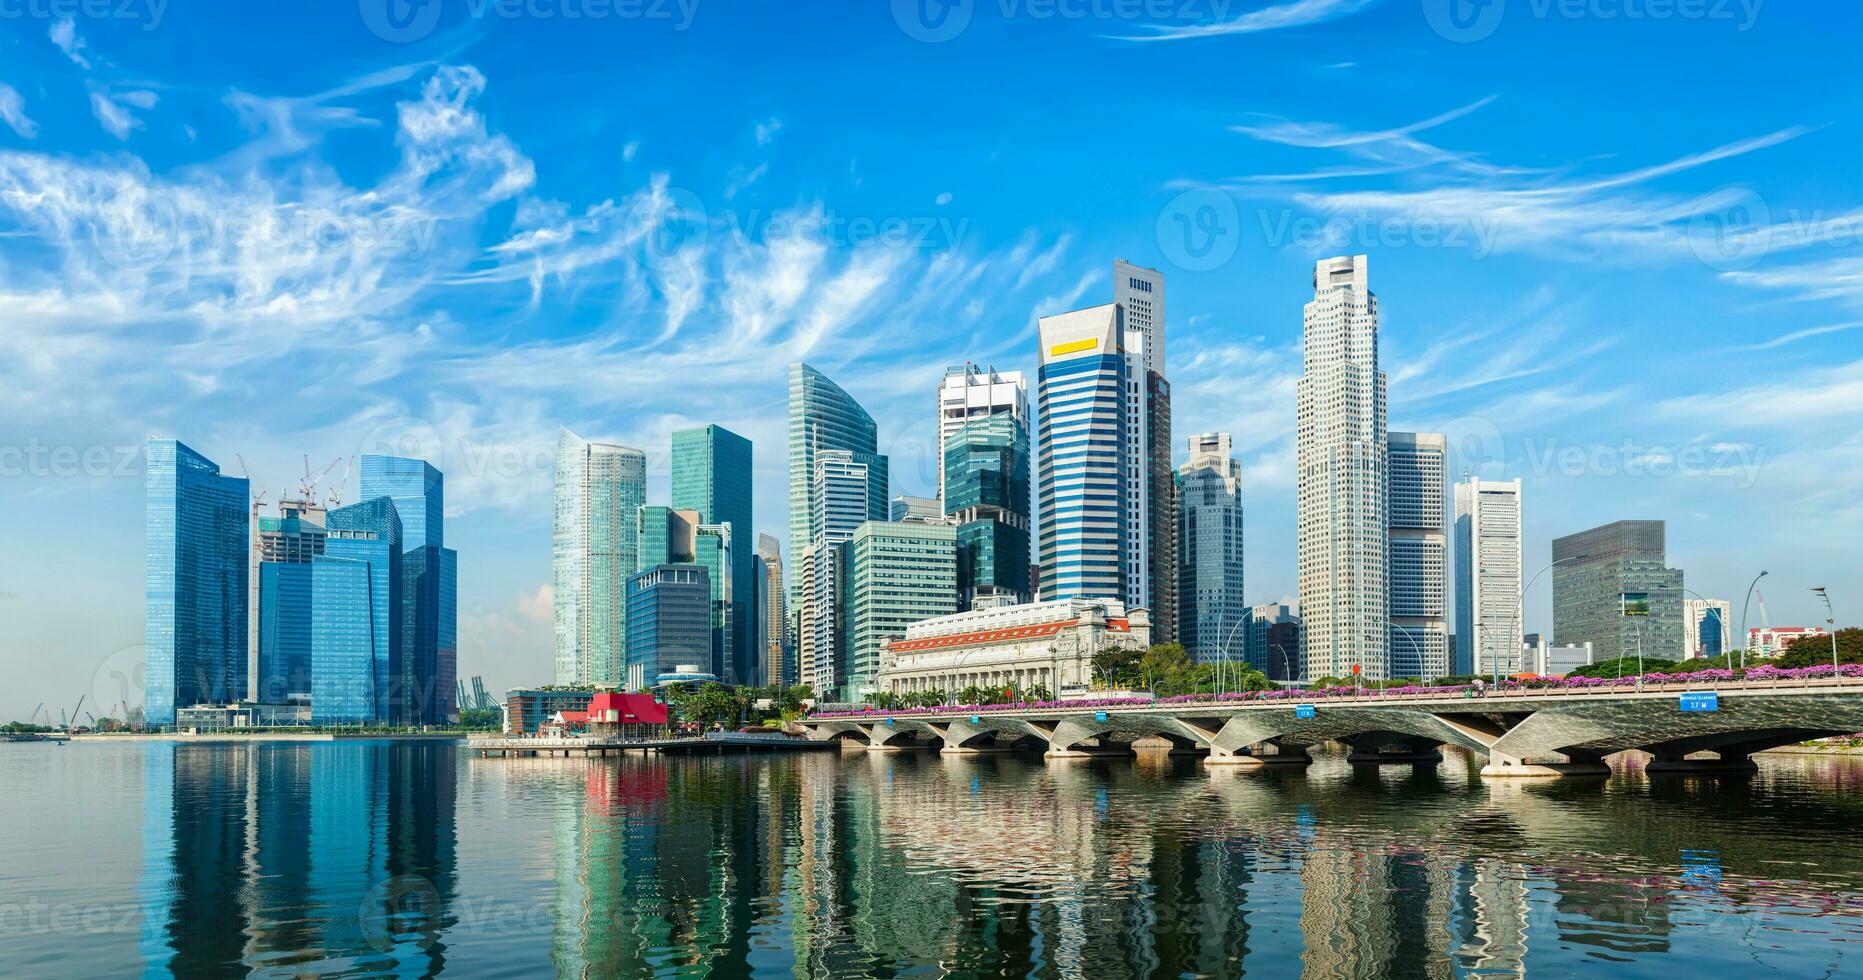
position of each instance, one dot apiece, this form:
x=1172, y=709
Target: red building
x=627, y=715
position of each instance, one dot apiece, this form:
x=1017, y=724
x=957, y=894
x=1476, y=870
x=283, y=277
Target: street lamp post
x=1520, y=613
x=1223, y=668
x=1717, y=616
x=1415, y=651
x=1743, y=618
x=1830, y=619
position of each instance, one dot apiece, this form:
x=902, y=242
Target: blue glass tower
x=195, y=582
x=1087, y=470
x=669, y=622
x=712, y=475
x=285, y=615
x=423, y=689
x=356, y=649
x=986, y=491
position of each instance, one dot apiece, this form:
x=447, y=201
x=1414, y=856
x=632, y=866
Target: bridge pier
x=1504, y=766
x=1089, y=749
x=1260, y=754
x=1676, y=763
x=1378, y=750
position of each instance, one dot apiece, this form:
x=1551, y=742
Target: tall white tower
x=1151, y=519
x=970, y=392
x=595, y=542
x=1340, y=449
x=1487, y=577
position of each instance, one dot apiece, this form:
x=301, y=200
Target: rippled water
x=364, y=858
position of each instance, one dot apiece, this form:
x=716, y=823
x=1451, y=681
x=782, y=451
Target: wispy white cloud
x=766, y=131
x=112, y=110
x=64, y=33
x=1298, y=13
x=13, y=112
x=1795, y=336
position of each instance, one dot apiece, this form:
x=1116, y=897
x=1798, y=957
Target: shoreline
x=274, y=737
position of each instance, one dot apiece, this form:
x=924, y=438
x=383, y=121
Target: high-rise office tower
x=1211, y=611
x=712, y=475
x=666, y=536
x=898, y=574
x=906, y=507
x=1274, y=640
x=968, y=393
x=594, y=544
x=777, y=644
x=1488, y=555
x=423, y=690
x=986, y=494
x=359, y=658
x=1613, y=588
x=714, y=553
x=1088, y=477
x=196, y=562
x=1705, y=629
x=823, y=417
x=842, y=494
x=1152, y=523
x=1418, y=551
x=1340, y=453
x=283, y=551
x=669, y=622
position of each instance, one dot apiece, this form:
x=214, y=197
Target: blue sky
x=1616, y=244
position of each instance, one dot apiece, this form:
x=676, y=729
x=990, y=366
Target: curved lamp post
x=1520, y=611
x=1744, y=641
x=1223, y=668
x=1830, y=618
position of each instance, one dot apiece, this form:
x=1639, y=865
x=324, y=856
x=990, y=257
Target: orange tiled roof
x=1005, y=634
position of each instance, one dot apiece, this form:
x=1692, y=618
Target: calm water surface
x=414, y=859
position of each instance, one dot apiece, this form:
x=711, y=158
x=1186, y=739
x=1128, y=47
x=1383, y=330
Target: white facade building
x=1487, y=576
x=1341, y=460
x=1051, y=644
x=1706, y=627
x=594, y=546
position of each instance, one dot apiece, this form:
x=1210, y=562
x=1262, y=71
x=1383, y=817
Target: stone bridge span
x=1541, y=732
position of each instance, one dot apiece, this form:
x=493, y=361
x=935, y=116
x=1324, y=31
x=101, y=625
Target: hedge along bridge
x=1521, y=732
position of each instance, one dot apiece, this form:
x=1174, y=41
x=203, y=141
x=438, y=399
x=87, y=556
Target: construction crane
x=336, y=489
x=67, y=726
x=307, y=488
x=258, y=498
x=35, y=714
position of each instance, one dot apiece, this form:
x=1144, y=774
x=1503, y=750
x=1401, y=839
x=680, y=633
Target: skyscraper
x=1087, y=486
x=359, y=657
x=899, y=574
x=1705, y=627
x=1274, y=640
x=282, y=554
x=842, y=493
x=968, y=393
x=715, y=552
x=195, y=569
x=823, y=417
x=600, y=488
x=1340, y=453
x=1152, y=521
x=1488, y=521
x=1418, y=551
x=1612, y=588
x=422, y=691
x=778, y=646
x=712, y=475
x=669, y=622
x=986, y=494
x=1211, y=610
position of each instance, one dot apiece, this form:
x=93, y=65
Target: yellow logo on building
x=1072, y=346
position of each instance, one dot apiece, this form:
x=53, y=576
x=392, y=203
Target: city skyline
x=1539, y=345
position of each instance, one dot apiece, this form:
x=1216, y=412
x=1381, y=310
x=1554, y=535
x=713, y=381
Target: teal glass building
x=986, y=491
x=711, y=474
x=357, y=650
x=423, y=687
x=195, y=575
x=419, y=494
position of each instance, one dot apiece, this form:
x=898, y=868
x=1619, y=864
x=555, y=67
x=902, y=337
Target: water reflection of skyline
x=293, y=859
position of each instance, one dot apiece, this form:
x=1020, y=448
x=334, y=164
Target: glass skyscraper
x=1418, y=550
x=1088, y=475
x=356, y=641
x=423, y=688
x=196, y=566
x=823, y=417
x=986, y=492
x=1211, y=609
x=594, y=551
x=669, y=616
x=285, y=612
x=712, y=475
x=900, y=574
x=1612, y=588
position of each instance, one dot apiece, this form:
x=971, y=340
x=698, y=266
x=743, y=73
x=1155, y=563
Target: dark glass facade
x=196, y=569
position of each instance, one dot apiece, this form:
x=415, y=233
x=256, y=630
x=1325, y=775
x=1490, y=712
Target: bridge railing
x=1760, y=678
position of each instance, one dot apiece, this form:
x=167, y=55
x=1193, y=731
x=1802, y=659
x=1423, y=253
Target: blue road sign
x=889, y=722
x=976, y=719
x=1305, y=711
x=1099, y=716
x=1701, y=701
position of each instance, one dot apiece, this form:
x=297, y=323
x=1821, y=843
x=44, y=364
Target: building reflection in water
x=297, y=859
x=289, y=858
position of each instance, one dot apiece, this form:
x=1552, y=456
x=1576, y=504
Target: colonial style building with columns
x=1051, y=644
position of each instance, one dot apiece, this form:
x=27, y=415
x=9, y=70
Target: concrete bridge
x=1522, y=732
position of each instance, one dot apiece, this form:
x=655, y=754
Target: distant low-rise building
x=1541, y=657
x=527, y=710
x=1771, y=641
x=1051, y=644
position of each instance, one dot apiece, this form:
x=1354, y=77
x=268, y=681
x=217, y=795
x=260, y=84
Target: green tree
x=1118, y=667
x=973, y=695
x=1626, y=667
x=1812, y=651
x=1038, y=692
